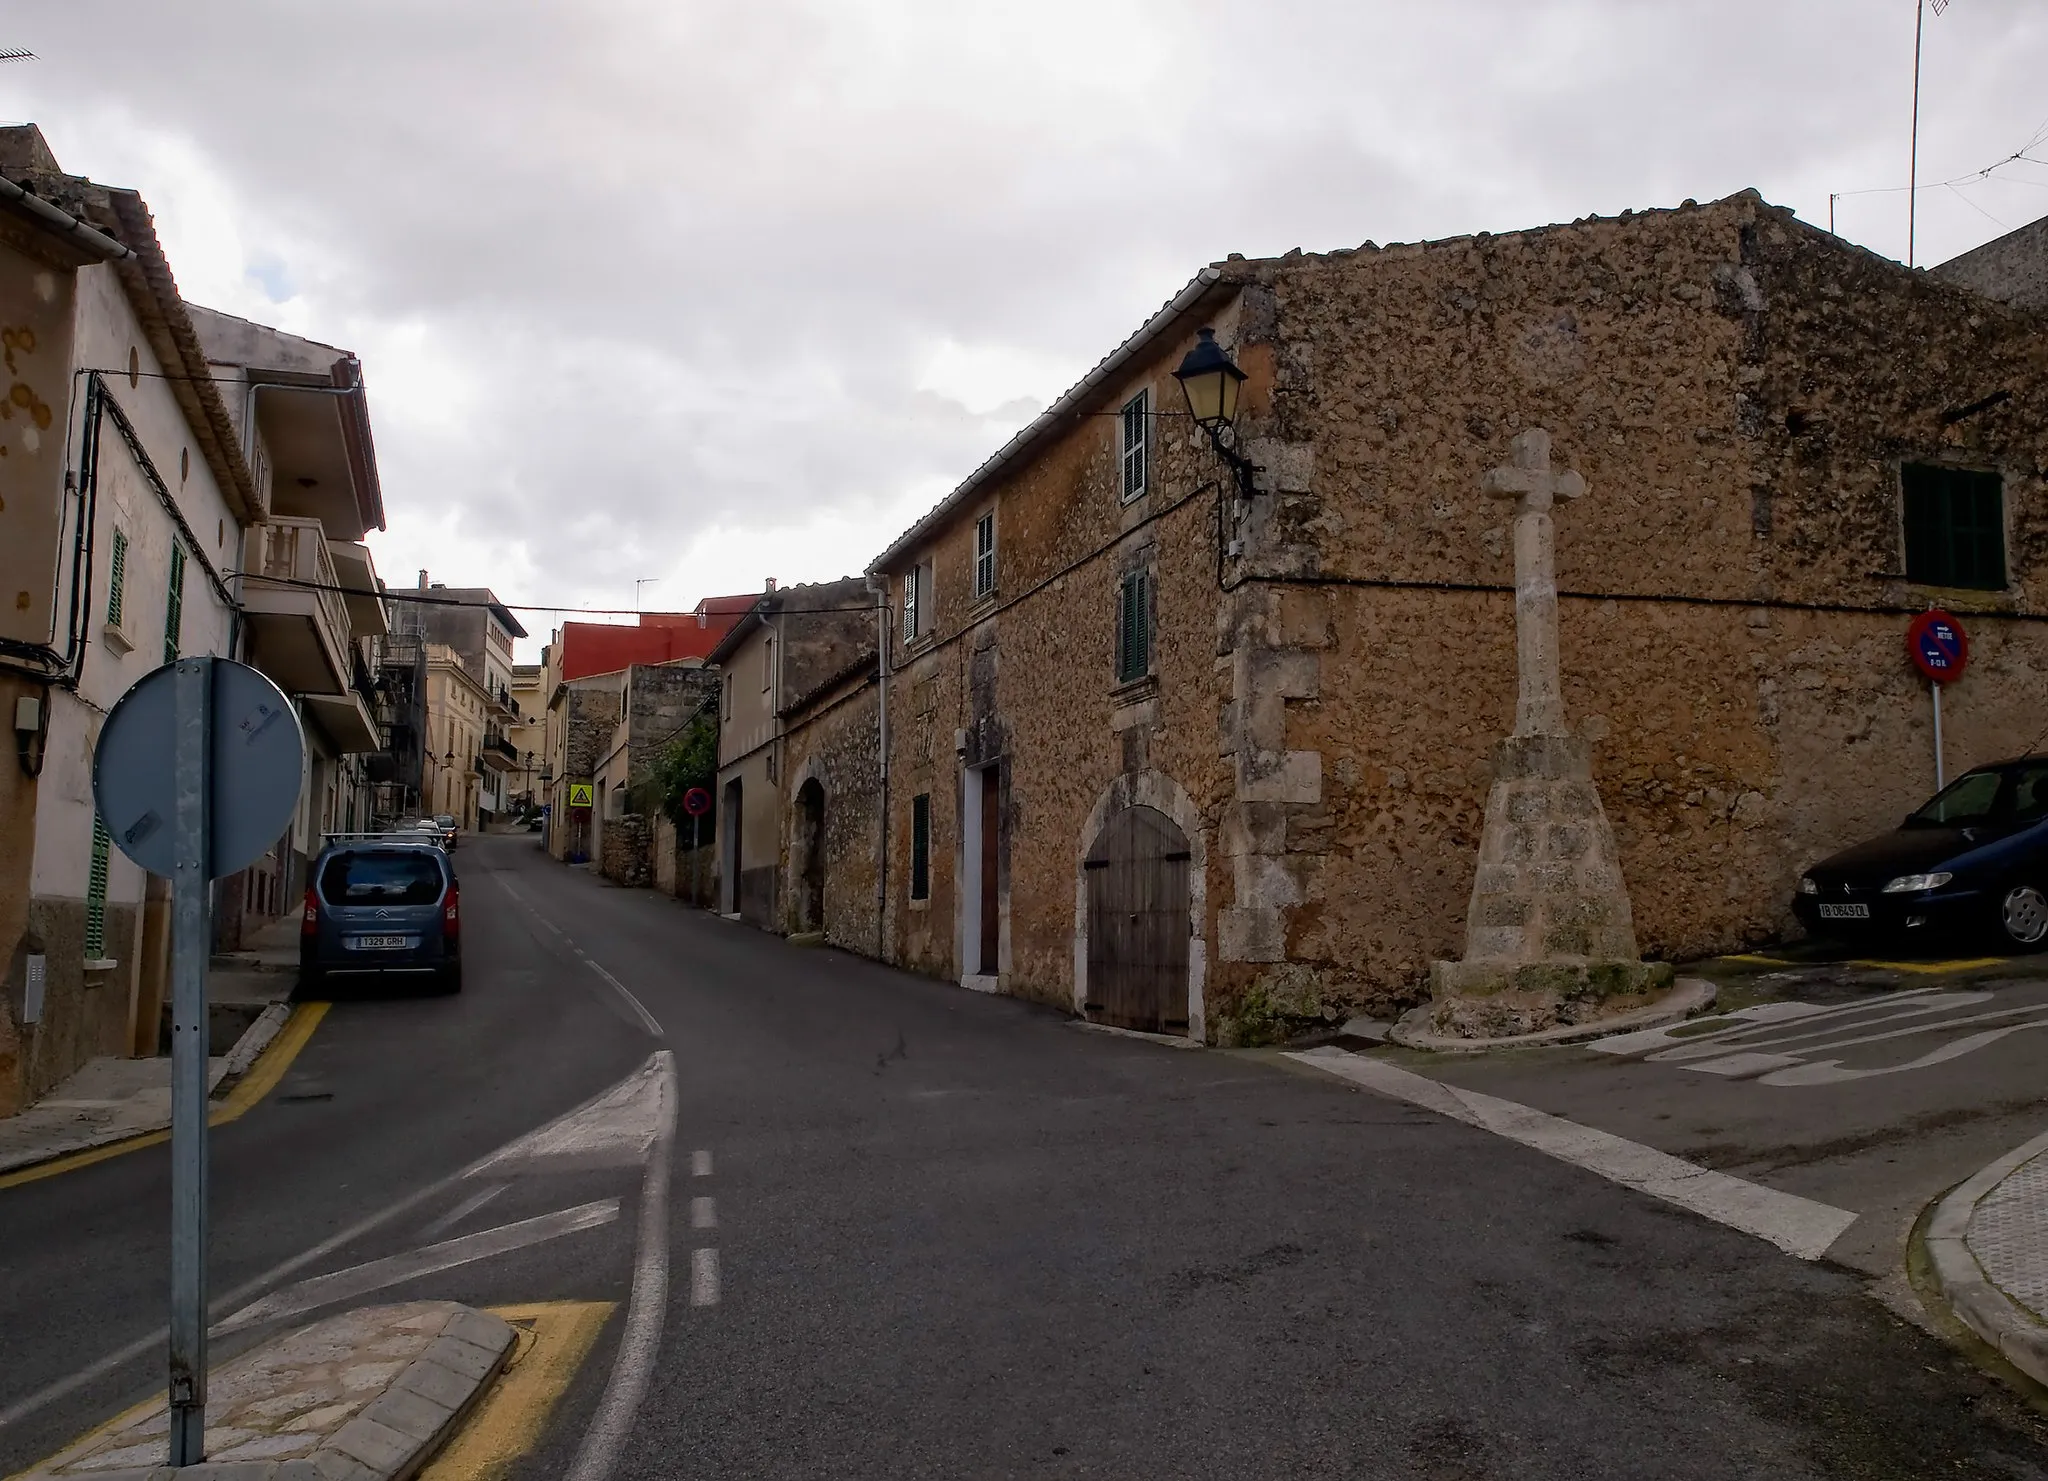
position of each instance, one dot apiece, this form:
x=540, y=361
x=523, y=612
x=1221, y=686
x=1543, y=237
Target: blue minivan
x=382, y=903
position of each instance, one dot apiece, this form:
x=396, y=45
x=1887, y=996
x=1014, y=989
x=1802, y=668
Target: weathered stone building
x=657, y=702
x=1207, y=761
x=799, y=812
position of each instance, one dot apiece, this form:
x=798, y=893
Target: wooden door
x=1138, y=923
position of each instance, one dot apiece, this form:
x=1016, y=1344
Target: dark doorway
x=729, y=860
x=1138, y=923
x=810, y=856
x=991, y=852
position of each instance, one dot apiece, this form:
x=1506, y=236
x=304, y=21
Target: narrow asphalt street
x=915, y=1231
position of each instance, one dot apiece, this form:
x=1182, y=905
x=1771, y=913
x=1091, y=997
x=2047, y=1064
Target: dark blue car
x=1972, y=862
x=386, y=904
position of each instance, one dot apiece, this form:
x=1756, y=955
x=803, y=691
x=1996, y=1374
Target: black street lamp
x=1211, y=380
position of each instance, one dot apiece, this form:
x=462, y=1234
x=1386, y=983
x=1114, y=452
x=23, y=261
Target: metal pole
x=1913, y=164
x=696, y=844
x=1940, y=779
x=193, y=709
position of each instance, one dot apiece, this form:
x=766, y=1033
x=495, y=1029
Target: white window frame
x=917, y=600
x=985, y=555
x=1135, y=451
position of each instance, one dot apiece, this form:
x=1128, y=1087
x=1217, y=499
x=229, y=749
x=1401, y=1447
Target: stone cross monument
x=1549, y=938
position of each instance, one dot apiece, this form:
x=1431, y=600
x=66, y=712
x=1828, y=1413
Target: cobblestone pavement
x=360, y=1395
x=2008, y=1233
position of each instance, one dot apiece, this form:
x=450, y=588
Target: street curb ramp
x=1978, y=1304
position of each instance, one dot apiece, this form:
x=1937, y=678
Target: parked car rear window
x=381, y=877
x=2030, y=794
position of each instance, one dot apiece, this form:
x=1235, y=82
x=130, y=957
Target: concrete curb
x=1688, y=996
x=255, y=1039
x=1977, y=1303
x=391, y=1439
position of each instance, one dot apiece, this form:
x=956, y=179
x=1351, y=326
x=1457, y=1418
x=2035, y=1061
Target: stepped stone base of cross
x=1549, y=938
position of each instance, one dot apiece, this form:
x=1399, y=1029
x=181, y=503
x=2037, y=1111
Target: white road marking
x=1750, y=1062
x=359, y=1280
x=1799, y=1226
x=653, y=1025
x=704, y=1277
x=1830, y=1071
x=463, y=1210
x=617, y=1127
x=700, y=1164
x=640, y=1344
x=703, y=1214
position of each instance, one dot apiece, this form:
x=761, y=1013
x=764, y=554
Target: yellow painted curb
x=554, y=1338
x=1968, y=965
x=262, y=1078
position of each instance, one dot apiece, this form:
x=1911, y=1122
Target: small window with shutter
x=96, y=893
x=117, y=579
x=1955, y=526
x=1134, y=627
x=985, y=555
x=1136, y=427
x=174, y=608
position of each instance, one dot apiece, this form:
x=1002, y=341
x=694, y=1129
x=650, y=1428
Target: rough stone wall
x=1739, y=392
x=689, y=874
x=2014, y=268
x=825, y=631
x=1027, y=679
x=627, y=859
x=833, y=743
x=588, y=713
x=662, y=698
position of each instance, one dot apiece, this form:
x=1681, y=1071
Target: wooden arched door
x=1138, y=923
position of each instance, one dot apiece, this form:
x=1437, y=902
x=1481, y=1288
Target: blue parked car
x=382, y=903
x=1972, y=862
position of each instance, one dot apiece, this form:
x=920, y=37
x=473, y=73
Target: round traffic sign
x=1938, y=646
x=258, y=762
x=696, y=802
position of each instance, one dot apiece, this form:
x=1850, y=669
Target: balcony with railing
x=499, y=753
x=299, y=631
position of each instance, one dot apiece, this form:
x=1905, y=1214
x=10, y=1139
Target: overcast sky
x=711, y=292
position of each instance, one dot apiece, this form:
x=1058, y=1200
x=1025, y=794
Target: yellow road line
x=554, y=1338
x=259, y=1082
x=1969, y=964
x=1764, y=961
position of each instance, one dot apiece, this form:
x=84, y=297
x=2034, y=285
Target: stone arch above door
x=1156, y=790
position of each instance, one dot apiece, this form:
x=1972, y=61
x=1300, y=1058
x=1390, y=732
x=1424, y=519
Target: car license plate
x=381, y=943
x=1845, y=912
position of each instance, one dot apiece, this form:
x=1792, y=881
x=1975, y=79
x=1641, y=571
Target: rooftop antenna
x=643, y=581
x=16, y=54
x=1913, y=166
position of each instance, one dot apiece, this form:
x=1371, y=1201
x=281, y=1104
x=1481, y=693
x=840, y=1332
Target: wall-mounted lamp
x=1211, y=380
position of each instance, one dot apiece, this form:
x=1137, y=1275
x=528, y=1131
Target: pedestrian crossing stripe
x=579, y=794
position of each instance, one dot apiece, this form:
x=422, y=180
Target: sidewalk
x=1987, y=1242
x=111, y=1099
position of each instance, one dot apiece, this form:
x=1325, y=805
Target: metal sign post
x=163, y=745
x=191, y=827
x=696, y=802
x=1940, y=649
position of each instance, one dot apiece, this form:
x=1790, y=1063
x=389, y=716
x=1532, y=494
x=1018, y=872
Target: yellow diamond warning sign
x=579, y=794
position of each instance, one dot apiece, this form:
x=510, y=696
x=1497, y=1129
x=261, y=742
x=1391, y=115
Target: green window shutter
x=1134, y=627
x=1955, y=526
x=96, y=893
x=921, y=847
x=117, y=579
x=174, y=611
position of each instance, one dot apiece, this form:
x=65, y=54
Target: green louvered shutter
x=117, y=579
x=174, y=613
x=1134, y=627
x=96, y=893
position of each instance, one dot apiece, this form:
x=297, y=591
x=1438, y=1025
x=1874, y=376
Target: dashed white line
x=1799, y=1226
x=700, y=1164
x=704, y=1277
x=703, y=1214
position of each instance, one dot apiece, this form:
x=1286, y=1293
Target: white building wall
x=106, y=329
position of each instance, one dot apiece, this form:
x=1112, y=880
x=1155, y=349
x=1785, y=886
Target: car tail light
x=309, y=923
x=451, y=911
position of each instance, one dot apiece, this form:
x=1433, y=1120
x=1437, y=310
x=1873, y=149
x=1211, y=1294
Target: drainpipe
x=881, y=594
x=95, y=241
